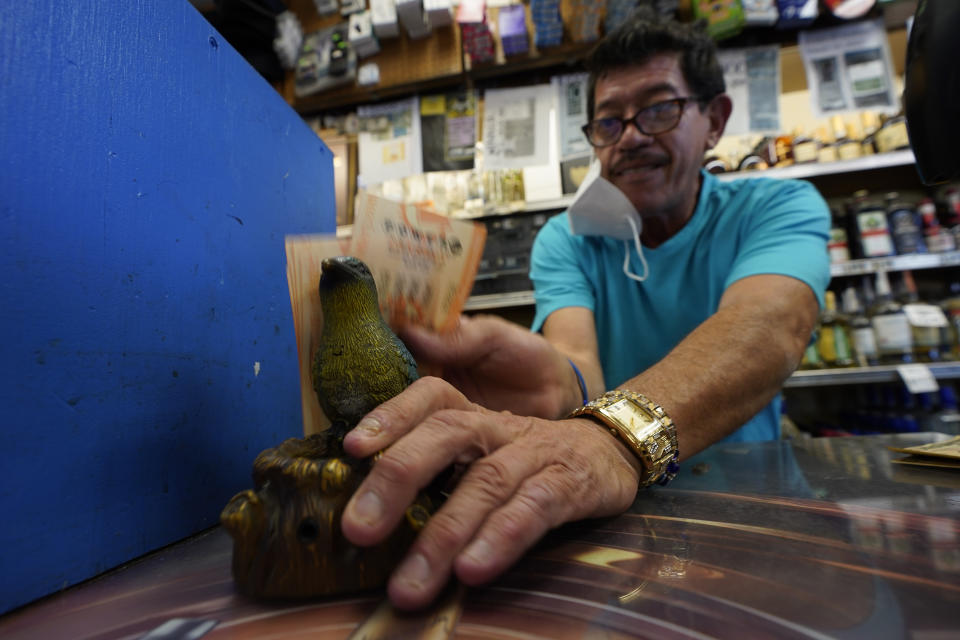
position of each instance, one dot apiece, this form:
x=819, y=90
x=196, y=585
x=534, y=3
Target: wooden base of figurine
x=286, y=531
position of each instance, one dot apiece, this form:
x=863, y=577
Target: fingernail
x=368, y=428
x=368, y=507
x=414, y=571
x=479, y=552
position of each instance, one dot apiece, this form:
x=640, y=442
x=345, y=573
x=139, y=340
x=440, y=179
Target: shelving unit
x=864, y=375
x=896, y=263
x=815, y=169
x=852, y=268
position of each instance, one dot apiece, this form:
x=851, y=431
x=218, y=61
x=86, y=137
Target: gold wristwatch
x=643, y=426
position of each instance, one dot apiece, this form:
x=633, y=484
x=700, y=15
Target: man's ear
x=718, y=112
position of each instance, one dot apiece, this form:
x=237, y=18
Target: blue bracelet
x=583, y=384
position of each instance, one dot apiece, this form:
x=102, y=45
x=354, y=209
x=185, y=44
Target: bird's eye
x=308, y=530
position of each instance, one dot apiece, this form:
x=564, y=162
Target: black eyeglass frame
x=624, y=122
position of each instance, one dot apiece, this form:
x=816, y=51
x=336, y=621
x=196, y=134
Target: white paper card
x=848, y=68
x=752, y=77
x=516, y=127
x=393, y=150
x=572, y=114
x=918, y=378
x=925, y=315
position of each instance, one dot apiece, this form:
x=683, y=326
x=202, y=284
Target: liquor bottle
x=938, y=239
x=847, y=148
x=870, y=124
x=892, y=134
x=828, y=146
x=951, y=306
x=872, y=231
x=838, y=246
x=861, y=330
x=927, y=323
x=890, y=325
x=833, y=343
x=803, y=147
x=952, y=214
x=905, y=226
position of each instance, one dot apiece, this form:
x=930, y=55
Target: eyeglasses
x=655, y=119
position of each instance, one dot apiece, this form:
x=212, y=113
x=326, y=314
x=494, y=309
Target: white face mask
x=601, y=209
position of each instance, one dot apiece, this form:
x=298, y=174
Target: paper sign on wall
x=516, y=127
x=848, y=68
x=752, y=77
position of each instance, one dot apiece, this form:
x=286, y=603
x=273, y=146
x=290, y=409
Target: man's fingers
x=409, y=465
x=542, y=502
x=490, y=482
x=396, y=417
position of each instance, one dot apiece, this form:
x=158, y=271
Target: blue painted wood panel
x=148, y=176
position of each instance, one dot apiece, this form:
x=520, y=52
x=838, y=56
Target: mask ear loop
x=626, y=254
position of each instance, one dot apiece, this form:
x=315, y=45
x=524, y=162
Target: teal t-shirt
x=740, y=228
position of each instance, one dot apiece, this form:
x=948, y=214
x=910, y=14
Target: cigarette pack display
x=362, y=38
x=547, y=23
x=513, y=30
x=476, y=37
x=582, y=18
x=384, y=17
x=413, y=18
x=438, y=12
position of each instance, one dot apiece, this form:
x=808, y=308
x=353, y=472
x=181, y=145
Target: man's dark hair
x=646, y=34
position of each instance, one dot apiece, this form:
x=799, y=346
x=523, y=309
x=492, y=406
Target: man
x=719, y=320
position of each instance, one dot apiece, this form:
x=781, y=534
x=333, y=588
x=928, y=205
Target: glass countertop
x=818, y=538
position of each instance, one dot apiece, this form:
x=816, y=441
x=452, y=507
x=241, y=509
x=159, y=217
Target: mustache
x=631, y=158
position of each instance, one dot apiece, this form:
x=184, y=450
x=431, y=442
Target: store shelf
x=896, y=263
x=814, y=169
x=499, y=301
x=864, y=375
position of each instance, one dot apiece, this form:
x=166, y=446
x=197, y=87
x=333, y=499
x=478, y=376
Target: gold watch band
x=643, y=426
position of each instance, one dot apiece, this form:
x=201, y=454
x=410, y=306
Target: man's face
x=659, y=174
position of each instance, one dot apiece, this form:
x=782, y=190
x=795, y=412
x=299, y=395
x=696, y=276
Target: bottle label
x=837, y=246
x=892, y=137
x=941, y=242
x=865, y=342
x=874, y=234
x=841, y=344
x=906, y=232
x=925, y=315
x=893, y=333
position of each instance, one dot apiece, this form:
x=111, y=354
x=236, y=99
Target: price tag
x=918, y=378
x=925, y=315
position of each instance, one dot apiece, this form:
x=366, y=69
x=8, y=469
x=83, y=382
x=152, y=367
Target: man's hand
x=525, y=476
x=499, y=365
